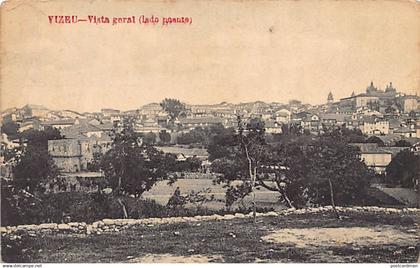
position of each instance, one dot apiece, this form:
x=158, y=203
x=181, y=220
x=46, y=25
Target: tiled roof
x=188, y=152
x=394, y=123
x=59, y=122
x=78, y=131
x=203, y=120
x=331, y=116
x=105, y=126
x=370, y=148
x=404, y=130
x=395, y=150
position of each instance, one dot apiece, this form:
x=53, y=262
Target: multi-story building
x=150, y=110
x=374, y=126
x=191, y=123
x=308, y=121
x=410, y=103
x=408, y=132
x=375, y=157
x=148, y=125
x=273, y=127
x=59, y=124
x=361, y=100
x=110, y=112
x=282, y=116
x=81, y=141
x=74, y=155
x=373, y=98
x=334, y=119
x=32, y=123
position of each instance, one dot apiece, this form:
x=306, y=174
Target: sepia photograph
x=236, y=131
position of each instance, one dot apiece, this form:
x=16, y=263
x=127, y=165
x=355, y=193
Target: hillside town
x=386, y=123
x=387, y=114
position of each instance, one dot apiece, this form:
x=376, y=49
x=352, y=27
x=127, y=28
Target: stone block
x=64, y=227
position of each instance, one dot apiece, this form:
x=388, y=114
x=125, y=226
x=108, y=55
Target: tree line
x=305, y=169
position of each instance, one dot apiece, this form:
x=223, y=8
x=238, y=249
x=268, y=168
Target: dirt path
x=318, y=239
x=357, y=236
x=169, y=258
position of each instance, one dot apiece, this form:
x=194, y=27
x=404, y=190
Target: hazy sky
x=234, y=51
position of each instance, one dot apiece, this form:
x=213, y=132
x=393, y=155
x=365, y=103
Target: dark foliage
x=204, y=136
x=164, y=137
x=10, y=129
x=191, y=164
x=132, y=166
x=402, y=143
x=404, y=169
x=174, y=108
x=17, y=248
x=376, y=140
x=305, y=170
x=149, y=138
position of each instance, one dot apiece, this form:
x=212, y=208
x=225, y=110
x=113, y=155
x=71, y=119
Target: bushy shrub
x=90, y=207
x=78, y=207
x=17, y=205
x=16, y=248
x=145, y=208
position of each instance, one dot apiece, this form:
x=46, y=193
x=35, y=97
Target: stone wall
x=116, y=225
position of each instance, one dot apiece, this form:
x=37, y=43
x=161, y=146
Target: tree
x=338, y=175
x=402, y=143
x=132, y=166
x=174, y=108
x=220, y=144
x=197, y=135
x=95, y=164
x=289, y=167
x=404, y=169
x=204, y=136
x=34, y=166
x=10, y=129
x=390, y=110
x=376, y=140
x=346, y=135
x=18, y=206
x=34, y=169
x=243, y=158
x=176, y=201
x=164, y=137
x=199, y=198
x=192, y=164
x=301, y=171
x=149, y=138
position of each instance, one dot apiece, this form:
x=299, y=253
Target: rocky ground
x=361, y=236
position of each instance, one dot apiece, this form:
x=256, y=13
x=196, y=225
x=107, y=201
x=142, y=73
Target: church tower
x=330, y=98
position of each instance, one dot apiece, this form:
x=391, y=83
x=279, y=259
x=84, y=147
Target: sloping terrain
x=319, y=237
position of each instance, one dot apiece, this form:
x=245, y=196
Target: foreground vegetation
x=237, y=240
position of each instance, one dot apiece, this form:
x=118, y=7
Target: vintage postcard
x=237, y=131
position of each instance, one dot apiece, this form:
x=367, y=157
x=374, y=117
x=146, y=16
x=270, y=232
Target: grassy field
x=161, y=193
x=361, y=237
